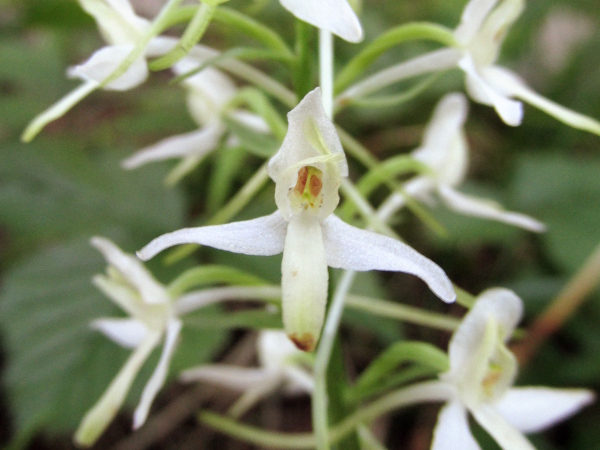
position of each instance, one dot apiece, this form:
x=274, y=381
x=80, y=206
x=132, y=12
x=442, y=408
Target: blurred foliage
x=67, y=186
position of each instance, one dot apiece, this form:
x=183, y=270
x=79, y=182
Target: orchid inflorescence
x=309, y=169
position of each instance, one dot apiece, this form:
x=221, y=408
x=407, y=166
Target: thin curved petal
x=132, y=270
x=348, y=247
x=510, y=111
x=507, y=436
x=231, y=377
x=106, y=61
x=304, y=279
x=157, y=380
x=513, y=86
x=487, y=209
x=128, y=333
x=452, y=429
x=333, y=15
x=264, y=236
x=116, y=19
x=99, y=417
x=532, y=409
x=197, y=143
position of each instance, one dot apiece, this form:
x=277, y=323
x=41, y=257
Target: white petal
x=486, y=209
x=334, y=15
x=532, y=409
x=419, y=188
x=132, y=270
x=231, y=377
x=500, y=304
x=274, y=349
x=264, y=236
x=513, y=86
x=160, y=45
x=304, y=279
x=116, y=19
x=507, y=436
x=510, y=111
x=157, y=380
x=348, y=247
x=58, y=109
x=452, y=429
x=105, y=61
x=298, y=381
x=128, y=333
x=197, y=143
x=472, y=19
x=97, y=419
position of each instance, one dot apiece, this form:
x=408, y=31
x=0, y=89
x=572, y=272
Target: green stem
x=326, y=69
x=319, y=400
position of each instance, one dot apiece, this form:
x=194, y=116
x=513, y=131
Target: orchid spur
x=122, y=29
x=478, y=39
x=335, y=16
x=307, y=171
x=445, y=151
x=153, y=319
x=480, y=378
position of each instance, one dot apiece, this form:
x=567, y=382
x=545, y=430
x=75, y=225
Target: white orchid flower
x=336, y=16
x=152, y=319
x=482, y=371
x=209, y=91
x=281, y=369
x=307, y=171
x=445, y=151
x=479, y=37
x=122, y=29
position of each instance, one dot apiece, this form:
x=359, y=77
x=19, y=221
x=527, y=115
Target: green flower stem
x=407, y=32
x=193, y=33
x=564, y=305
x=319, y=399
x=432, y=391
x=405, y=313
x=225, y=214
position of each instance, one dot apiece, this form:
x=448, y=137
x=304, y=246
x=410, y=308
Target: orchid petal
x=59, y=109
x=264, y=236
x=128, y=333
x=157, y=380
x=472, y=18
x=419, y=188
x=198, y=143
x=99, y=417
x=124, y=296
x=486, y=209
x=510, y=111
x=336, y=16
x=511, y=85
x=298, y=380
x=231, y=377
x=348, y=247
x=492, y=32
x=304, y=279
x=133, y=271
x=452, y=429
x=116, y=19
x=159, y=45
x=275, y=349
x=503, y=306
x=532, y=409
x=105, y=62
x=507, y=436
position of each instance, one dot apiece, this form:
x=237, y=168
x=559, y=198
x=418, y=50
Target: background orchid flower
x=122, y=29
x=152, y=319
x=336, y=16
x=281, y=369
x=307, y=171
x=209, y=91
x=479, y=37
x=482, y=371
x=445, y=151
